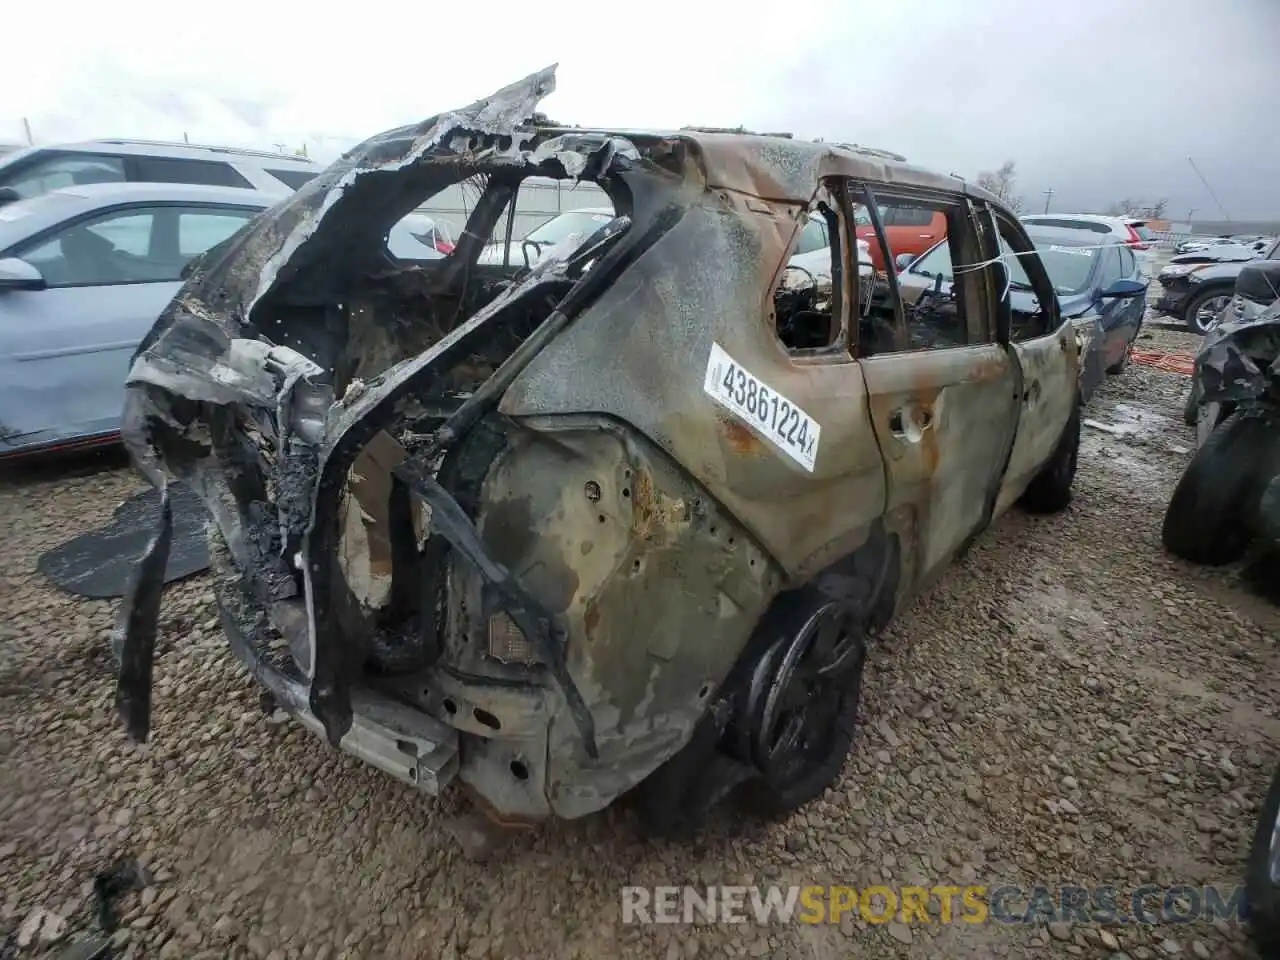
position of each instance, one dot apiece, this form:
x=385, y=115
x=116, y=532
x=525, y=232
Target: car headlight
x=1193, y=277
x=1179, y=269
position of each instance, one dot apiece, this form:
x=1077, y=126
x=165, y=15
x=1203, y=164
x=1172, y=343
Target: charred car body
x=1229, y=495
x=624, y=518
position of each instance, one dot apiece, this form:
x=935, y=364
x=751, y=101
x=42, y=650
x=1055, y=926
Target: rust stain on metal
x=741, y=438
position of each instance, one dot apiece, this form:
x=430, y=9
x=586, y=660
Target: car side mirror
x=16, y=274
x=1124, y=289
x=903, y=260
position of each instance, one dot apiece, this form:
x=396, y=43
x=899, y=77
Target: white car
x=812, y=256
x=1127, y=230
x=33, y=171
x=572, y=225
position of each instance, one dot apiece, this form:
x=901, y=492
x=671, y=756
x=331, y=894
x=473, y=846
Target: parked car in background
x=526, y=250
x=1133, y=233
x=909, y=231
x=84, y=272
x=1217, y=253
x=1192, y=244
x=1257, y=288
x=1100, y=288
x=33, y=171
x=429, y=231
x=1196, y=289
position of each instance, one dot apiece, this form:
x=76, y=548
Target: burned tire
x=1191, y=407
x=803, y=707
x=1208, y=517
x=1262, y=889
x=1050, y=490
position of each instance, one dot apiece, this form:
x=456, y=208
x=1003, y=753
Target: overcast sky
x=1098, y=99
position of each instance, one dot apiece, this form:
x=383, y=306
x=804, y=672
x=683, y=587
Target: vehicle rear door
x=65, y=350
x=1046, y=350
x=941, y=388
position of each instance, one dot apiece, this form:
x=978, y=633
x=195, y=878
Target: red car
x=910, y=230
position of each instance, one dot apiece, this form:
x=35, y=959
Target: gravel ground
x=1069, y=704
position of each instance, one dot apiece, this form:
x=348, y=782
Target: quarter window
x=293, y=179
x=64, y=170
x=808, y=313
x=210, y=173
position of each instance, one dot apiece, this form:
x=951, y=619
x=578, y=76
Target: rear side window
x=64, y=170
x=908, y=216
x=1071, y=224
x=209, y=173
x=293, y=179
x=813, y=236
x=1143, y=231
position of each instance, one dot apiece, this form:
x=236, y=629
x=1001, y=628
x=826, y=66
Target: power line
x=1221, y=209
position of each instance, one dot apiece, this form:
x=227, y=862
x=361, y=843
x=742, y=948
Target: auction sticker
x=768, y=412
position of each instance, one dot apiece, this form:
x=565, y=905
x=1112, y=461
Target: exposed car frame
x=564, y=454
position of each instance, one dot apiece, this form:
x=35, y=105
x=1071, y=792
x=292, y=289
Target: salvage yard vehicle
x=84, y=273
x=34, y=171
x=1099, y=285
x=1229, y=494
x=622, y=522
x=1198, y=291
x=1127, y=230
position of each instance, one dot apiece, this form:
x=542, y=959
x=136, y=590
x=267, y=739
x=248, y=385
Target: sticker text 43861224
x=779, y=420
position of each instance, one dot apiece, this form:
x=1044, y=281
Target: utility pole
x=1189, y=213
x=185, y=138
x=26, y=126
x=1048, y=195
x=1221, y=209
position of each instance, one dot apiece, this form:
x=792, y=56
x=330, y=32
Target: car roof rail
x=237, y=151
x=740, y=131
x=872, y=152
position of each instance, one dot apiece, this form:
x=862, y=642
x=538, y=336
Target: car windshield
x=560, y=228
x=1068, y=265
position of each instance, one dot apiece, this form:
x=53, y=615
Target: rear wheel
x=1209, y=515
x=1201, y=314
x=803, y=706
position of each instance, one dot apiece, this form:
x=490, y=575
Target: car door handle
x=926, y=236
x=909, y=423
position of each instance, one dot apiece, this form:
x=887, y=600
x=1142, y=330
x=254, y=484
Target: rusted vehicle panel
x=621, y=520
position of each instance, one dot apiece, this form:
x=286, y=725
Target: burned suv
x=620, y=521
